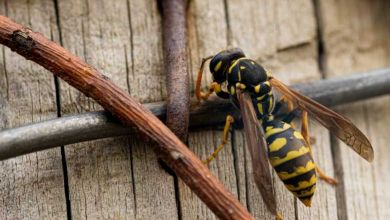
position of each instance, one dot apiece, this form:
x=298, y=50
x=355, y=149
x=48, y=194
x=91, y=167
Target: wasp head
x=221, y=62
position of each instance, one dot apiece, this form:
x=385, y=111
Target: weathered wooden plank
x=31, y=186
x=207, y=35
x=119, y=178
x=203, y=143
x=259, y=28
x=356, y=40
x=155, y=192
x=99, y=172
x=378, y=121
x=359, y=193
x=295, y=23
x=146, y=78
x=110, y=180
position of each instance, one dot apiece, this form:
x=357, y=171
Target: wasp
x=251, y=87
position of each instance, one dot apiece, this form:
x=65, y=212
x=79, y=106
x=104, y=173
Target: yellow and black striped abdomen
x=291, y=159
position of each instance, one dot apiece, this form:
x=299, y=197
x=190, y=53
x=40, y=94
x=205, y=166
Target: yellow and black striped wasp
x=250, y=87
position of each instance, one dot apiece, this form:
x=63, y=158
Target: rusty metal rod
x=95, y=125
x=175, y=63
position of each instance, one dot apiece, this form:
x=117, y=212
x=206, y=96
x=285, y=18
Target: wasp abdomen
x=291, y=159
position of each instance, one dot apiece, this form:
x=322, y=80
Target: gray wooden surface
x=119, y=178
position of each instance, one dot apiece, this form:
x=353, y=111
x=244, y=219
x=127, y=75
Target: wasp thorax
x=220, y=63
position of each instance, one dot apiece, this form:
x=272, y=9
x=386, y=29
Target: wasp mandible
x=250, y=88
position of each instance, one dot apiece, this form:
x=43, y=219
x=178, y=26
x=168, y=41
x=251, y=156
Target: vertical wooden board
x=357, y=40
x=253, y=27
x=155, y=197
x=99, y=172
x=147, y=77
x=240, y=154
x=207, y=34
x=203, y=143
x=3, y=79
x=100, y=179
x=355, y=34
x=31, y=186
x=153, y=186
x=358, y=181
x=100, y=33
x=295, y=23
x=121, y=39
x=296, y=65
x=378, y=122
x=267, y=32
x=73, y=17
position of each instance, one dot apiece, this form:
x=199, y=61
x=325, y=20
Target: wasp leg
x=198, y=93
x=328, y=179
x=290, y=108
x=211, y=89
x=305, y=134
x=228, y=123
x=290, y=104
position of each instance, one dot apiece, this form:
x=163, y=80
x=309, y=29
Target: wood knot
x=22, y=40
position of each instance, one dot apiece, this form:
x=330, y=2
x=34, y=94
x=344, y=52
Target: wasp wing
x=339, y=125
x=255, y=139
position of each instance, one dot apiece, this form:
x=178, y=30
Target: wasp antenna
x=206, y=58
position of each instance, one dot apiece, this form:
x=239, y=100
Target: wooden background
x=119, y=178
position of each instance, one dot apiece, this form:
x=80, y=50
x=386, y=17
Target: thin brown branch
x=33, y=46
x=175, y=57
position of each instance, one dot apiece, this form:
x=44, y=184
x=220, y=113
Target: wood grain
x=119, y=177
x=94, y=84
x=113, y=172
x=31, y=186
x=361, y=36
x=100, y=173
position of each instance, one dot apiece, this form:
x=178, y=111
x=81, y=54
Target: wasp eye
x=220, y=63
x=217, y=66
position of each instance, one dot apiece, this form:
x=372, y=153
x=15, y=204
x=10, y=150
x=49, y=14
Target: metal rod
x=96, y=125
x=175, y=63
